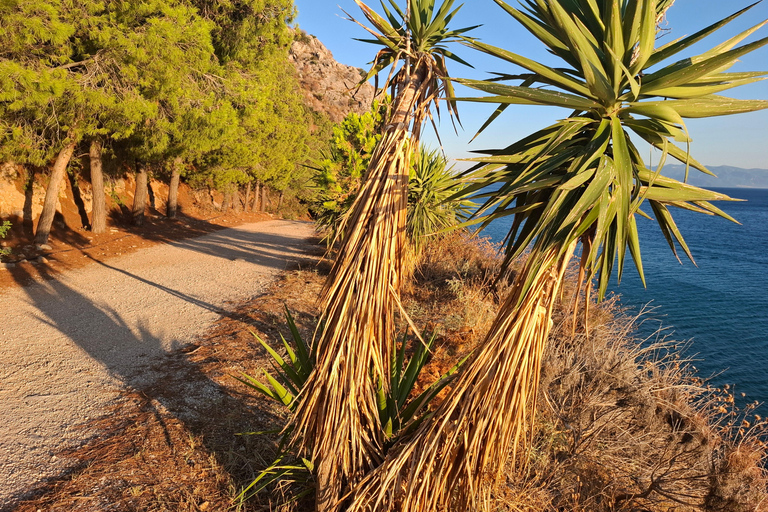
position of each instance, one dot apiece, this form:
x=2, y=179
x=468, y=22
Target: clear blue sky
x=740, y=140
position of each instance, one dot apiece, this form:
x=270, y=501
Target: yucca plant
x=336, y=424
x=433, y=196
x=399, y=412
x=433, y=188
x=581, y=179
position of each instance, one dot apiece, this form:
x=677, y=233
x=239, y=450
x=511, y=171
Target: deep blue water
x=721, y=305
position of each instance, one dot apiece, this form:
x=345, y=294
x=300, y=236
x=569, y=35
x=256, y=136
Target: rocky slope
x=328, y=86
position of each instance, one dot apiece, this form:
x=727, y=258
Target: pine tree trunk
x=173, y=190
x=227, y=201
x=247, y=202
x=29, y=195
x=140, y=196
x=99, y=201
x=52, y=194
x=212, y=196
x=77, y=197
x=256, y=196
x=237, y=201
x=151, y=195
x=264, y=198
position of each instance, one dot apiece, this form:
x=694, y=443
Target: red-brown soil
x=73, y=245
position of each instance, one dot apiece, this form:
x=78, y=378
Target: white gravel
x=68, y=345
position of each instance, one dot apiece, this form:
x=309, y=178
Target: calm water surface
x=721, y=305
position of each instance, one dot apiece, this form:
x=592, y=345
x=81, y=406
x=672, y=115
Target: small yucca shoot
x=399, y=414
x=291, y=374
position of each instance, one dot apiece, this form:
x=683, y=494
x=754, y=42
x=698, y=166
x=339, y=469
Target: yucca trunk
x=338, y=420
x=455, y=459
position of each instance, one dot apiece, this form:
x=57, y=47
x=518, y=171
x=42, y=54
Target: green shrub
x=432, y=184
x=4, y=227
x=338, y=175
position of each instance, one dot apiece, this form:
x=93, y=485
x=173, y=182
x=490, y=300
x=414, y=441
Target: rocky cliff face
x=328, y=86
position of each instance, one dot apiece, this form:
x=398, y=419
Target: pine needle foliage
x=432, y=184
x=581, y=179
x=338, y=175
x=197, y=85
x=337, y=424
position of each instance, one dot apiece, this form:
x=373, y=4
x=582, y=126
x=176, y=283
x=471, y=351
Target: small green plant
x=398, y=412
x=4, y=227
x=338, y=175
x=116, y=197
x=291, y=374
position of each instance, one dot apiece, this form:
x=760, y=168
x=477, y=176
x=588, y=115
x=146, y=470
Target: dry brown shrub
x=455, y=290
x=622, y=424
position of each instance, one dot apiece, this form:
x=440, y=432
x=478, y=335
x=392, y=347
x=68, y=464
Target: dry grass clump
x=624, y=425
x=621, y=424
x=737, y=483
x=459, y=255
x=455, y=292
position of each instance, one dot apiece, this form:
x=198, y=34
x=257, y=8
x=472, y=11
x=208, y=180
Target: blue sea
x=720, y=305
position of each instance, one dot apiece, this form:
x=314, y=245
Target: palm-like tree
x=581, y=179
x=337, y=421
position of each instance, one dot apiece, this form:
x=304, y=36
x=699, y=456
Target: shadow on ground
x=171, y=394
x=70, y=244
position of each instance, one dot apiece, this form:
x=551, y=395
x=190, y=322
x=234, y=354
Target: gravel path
x=68, y=345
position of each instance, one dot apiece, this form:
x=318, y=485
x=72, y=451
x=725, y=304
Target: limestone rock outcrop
x=329, y=86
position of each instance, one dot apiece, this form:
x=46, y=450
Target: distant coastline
x=727, y=176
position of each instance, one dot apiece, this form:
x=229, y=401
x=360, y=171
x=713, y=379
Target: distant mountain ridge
x=727, y=176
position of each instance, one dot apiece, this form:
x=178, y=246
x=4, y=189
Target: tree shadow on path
x=162, y=383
